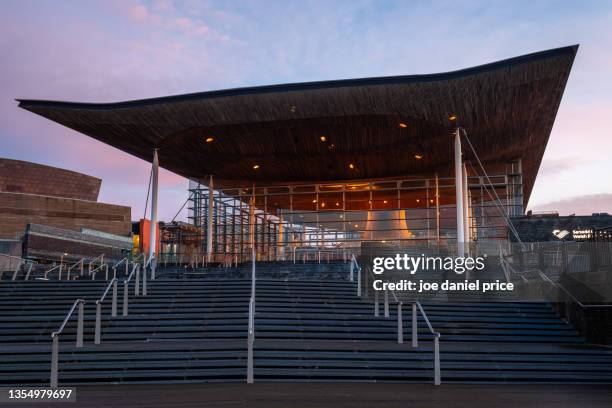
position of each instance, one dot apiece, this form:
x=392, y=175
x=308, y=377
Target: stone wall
x=18, y=176
x=17, y=210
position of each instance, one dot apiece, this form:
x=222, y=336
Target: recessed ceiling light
x=255, y=166
x=356, y=225
x=418, y=200
x=418, y=156
x=323, y=139
x=322, y=204
x=337, y=204
x=452, y=117
x=403, y=125
x=210, y=139
x=314, y=201
x=385, y=202
x=351, y=166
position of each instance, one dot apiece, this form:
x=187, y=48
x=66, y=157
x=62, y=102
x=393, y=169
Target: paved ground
x=293, y=395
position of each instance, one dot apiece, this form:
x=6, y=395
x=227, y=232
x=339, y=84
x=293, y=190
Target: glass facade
x=329, y=220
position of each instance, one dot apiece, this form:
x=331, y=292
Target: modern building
x=47, y=211
x=330, y=166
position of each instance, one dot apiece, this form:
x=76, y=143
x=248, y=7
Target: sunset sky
x=113, y=50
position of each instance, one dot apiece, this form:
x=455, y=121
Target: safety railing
x=92, y=262
x=126, y=283
x=80, y=263
x=353, y=265
x=436, y=338
x=510, y=271
x=55, y=268
x=98, y=329
x=13, y=264
x=125, y=261
x=55, y=338
x=416, y=307
x=562, y=288
x=318, y=255
x=97, y=269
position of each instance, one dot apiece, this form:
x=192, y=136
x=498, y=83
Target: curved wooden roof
x=507, y=107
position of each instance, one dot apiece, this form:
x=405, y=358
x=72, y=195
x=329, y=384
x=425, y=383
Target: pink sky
x=120, y=50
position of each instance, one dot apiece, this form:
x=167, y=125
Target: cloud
x=113, y=50
x=579, y=205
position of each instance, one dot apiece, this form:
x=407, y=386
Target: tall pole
x=211, y=209
x=466, y=206
x=153, y=229
x=437, y=209
x=459, y=194
x=252, y=221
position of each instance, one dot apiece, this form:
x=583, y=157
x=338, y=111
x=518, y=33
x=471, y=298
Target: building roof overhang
x=373, y=127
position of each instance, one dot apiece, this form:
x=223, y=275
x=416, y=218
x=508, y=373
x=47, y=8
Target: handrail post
x=144, y=281
x=415, y=331
x=400, y=324
x=54, y=361
x=351, y=266
x=137, y=282
x=114, y=272
x=250, y=343
x=59, y=275
x=437, y=379
x=79, y=339
x=114, y=300
x=376, y=307
x=358, y=281
x=386, y=303
x=125, y=297
x=29, y=271
x=98, y=323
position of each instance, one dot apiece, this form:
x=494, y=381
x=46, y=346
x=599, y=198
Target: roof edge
x=301, y=86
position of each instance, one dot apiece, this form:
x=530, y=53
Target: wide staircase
x=192, y=327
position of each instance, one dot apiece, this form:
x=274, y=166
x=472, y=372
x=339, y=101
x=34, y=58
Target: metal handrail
x=436, y=336
x=59, y=276
x=429, y=326
x=416, y=305
x=93, y=272
x=92, y=261
x=127, y=266
x=126, y=282
x=79, y=262
x=567, y=292
x=20, y=261
x=353, y=264
x=545, y=278
x=55, y=339
x=98, y=329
